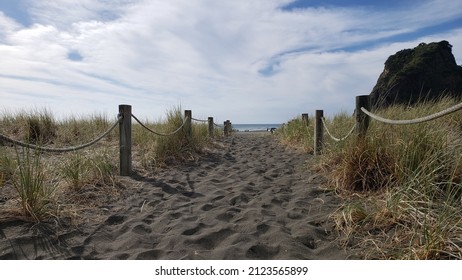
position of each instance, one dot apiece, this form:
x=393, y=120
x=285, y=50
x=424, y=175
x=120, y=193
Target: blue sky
x=252, y=61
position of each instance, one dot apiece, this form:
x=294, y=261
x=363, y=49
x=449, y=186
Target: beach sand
x=248, y=198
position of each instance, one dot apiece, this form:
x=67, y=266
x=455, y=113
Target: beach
x=247, y=197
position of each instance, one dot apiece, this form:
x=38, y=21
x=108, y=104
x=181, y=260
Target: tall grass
x=36, y=126
x=41, y=127
x=78, y=130
x=297, y=133
x=402, y=185
x=7, y=166
x=177, y=145
x=412, y=177
x=157, y=151
x=85, y=176
x=34, y=191
x=92, y=167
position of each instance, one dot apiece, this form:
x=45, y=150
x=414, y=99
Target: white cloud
x=7, y=27
x=63, y=13
x=205, y=55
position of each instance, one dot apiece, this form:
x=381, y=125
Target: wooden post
x=210, y=121
x=318, y=132
x=125, y=140
x=227, y=127
x=188, y=126
x=305, y=119
x=362, y=120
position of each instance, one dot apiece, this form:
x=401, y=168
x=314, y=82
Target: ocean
x=254, y=127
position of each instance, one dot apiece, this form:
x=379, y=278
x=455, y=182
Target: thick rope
x=197, y=120
x=335, y=138
x=59, y=150
x=158, y=133
x=414, y=121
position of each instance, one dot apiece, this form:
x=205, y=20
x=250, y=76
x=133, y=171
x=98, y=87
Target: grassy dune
x=402, y=185
x=38, y=186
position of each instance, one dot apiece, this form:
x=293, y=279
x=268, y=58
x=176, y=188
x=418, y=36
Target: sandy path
x=253, y=199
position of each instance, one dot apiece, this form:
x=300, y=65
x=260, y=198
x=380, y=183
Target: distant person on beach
x=271, y=129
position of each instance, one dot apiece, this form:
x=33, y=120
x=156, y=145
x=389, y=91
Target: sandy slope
x=251, y=199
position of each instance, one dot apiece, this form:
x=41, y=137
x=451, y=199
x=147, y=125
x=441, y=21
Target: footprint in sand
x=175, y=215
x=141, y=229
x=207, y=207
x=149, y=255
x=211, y=240
x=262, y=229
x=294, y=215
x=228, y=214
x=262, y=252
x=307, y=240
x=123, y=256
x=194, y=230
x=115, y=220
x=149, y=219
x=239, y=199
x=220, y=197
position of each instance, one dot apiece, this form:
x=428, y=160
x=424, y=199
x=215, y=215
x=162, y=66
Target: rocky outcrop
x=427, y=72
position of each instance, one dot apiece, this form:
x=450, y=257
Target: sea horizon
x=255, y=127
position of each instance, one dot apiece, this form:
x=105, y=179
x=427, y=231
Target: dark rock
x=427, y=72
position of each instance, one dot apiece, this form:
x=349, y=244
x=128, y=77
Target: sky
x=248, y=61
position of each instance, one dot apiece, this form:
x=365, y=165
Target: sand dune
x=251, y=199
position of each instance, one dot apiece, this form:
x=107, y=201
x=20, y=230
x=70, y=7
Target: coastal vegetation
x=401, y=185
x=38, y=186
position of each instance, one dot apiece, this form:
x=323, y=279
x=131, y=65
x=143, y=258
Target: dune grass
x=35, y=192
x=402, y=185
x=297, y=133
x=160, y=151
x=45, y=183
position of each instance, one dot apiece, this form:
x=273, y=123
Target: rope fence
x=58, y=150
x=363, y=115
x=335, y=138
x=159, y=133
x=212, y=124
x=124, y=120
x=197, y=120
x=434, y=116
